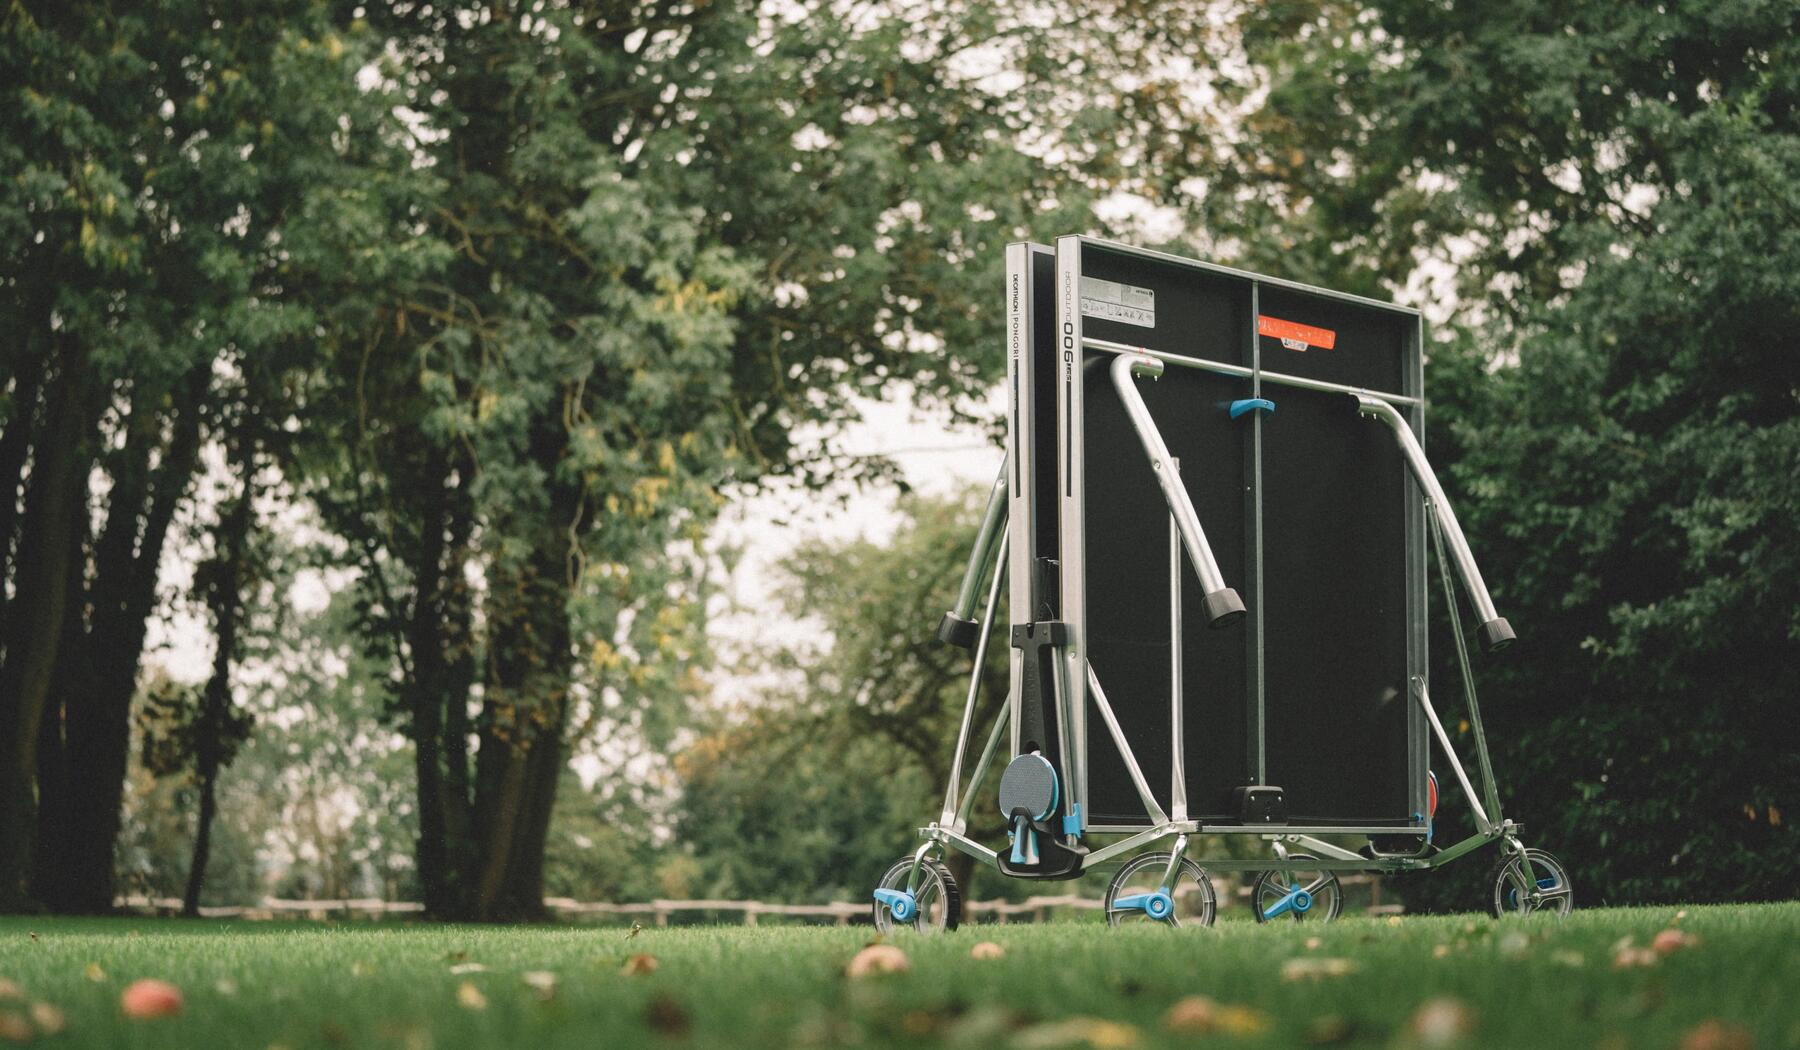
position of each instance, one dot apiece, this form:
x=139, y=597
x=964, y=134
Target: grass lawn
x=1521, y=983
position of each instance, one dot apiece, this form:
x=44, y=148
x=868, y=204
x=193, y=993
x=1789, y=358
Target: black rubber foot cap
x=958, y=631
x=1496, y=634
x=1223, y=607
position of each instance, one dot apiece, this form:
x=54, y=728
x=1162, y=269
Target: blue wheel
x=1529, y=881
x=930, y=903
x=1297, y=893
x=1138, y=893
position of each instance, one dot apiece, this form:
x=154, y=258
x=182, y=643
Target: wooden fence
x=659, y=912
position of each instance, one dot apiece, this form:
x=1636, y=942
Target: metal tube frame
x=1186, y=534
x=992, y=535
x=981, y=643
x=1377, y=407
x=1187, y=521
x=1177, y=732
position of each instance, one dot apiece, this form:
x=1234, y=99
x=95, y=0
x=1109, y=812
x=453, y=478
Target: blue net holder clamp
x=1251, y=404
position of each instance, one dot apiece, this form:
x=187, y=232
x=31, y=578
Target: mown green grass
x=1525, y=983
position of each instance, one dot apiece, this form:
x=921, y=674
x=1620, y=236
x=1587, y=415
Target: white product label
x=1112, y=301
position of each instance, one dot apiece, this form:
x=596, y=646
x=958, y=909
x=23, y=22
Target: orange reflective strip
x=1276, y=328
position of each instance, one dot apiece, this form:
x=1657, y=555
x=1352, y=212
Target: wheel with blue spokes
x=1528, y=881
x=929, y=903
x=1146, y=890
x=1297, y=892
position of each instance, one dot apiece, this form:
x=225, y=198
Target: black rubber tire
x=1498, y=878
x=952, y=902
x=1189, y=867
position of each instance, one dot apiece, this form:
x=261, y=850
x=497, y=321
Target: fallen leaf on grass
x=10, y=991
x=94, y=973
x=1630, y=957
x=469, y=997
x=1514, y=943
x=543, y=982
x=1717, y=1035
x=1313, y=943
x=1304, y=969
x=363, y=969
x=877, y=959
x=50, y=1020
x=461, y=968
x=639, y=964
x=14, y=1028
x=667, y=1016
x=1565, y=957
x=1440, y=951
x=1095, y=1032
x=1671, y=940
x=226, y=987
x=1194, y=1013
x=986, y=950
x=1441, y=1022
x=1198, y=1015
x=148, y=998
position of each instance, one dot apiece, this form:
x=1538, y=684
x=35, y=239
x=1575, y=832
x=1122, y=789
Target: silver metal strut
x=1496, y=633
x=1178, y=808
x=1482, y=823
x=1222, y=603
x=957, y=627
x=981, y=648
x=1157, y=816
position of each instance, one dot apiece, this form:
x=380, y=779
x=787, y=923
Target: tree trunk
x=196, y=880
x=527, y=704
x=212, y=748
x=98, y=677
x=55, y=503
x=15, y=446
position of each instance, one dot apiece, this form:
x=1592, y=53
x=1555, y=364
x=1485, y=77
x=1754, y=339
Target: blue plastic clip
x=1251, y=404
x=1157, y=905
x=899, y=902
x=1072, y=822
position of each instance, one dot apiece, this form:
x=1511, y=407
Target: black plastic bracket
x=1259, y=804
x=1223, y=608
x=1056, y=860
x=1029, y=636
x=1496, y=634
x=954, y=630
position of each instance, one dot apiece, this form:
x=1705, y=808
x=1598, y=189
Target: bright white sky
x=934, y=455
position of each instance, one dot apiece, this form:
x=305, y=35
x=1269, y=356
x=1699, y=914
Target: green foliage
x=812, y=790
x=1616, y=185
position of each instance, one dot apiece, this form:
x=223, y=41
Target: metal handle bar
x=1222, y=603
x=1496, y=633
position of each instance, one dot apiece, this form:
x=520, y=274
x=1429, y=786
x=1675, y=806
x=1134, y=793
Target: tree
x=1615, y=184
x=671, y=238
x=158, y=154
x=815, y=786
